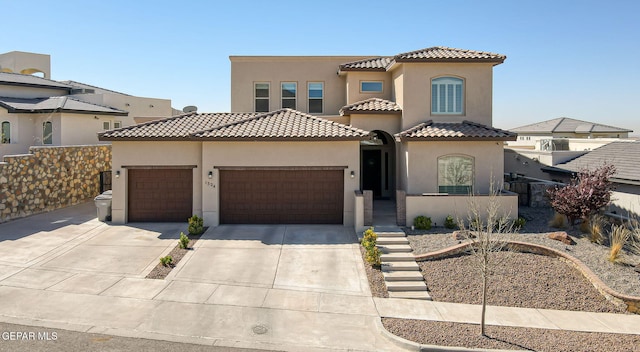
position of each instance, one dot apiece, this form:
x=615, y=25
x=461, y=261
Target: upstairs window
x=455, y=174
x=289, y=94
x=261, y=94
x=316, y=97
x=117, y=124
x=106, y=125
x=47, y=133
x=447, y=95
x=5, y=138
x=371, y=87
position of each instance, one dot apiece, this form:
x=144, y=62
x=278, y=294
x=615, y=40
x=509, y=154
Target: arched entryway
x=377, y=165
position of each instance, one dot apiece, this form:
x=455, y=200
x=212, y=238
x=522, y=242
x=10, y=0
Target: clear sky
x=579, y=59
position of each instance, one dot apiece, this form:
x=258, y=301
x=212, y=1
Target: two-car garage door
x=285, y=196
x=247, y=196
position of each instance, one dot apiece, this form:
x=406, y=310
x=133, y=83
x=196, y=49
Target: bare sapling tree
x=486, y=225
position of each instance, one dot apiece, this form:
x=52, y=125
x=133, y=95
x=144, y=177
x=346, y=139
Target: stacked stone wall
x=50, y=178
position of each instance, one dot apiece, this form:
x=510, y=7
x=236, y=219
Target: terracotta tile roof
x=464, y=131
x=444, y=54
x=567, y=125
x=284, y=124
x=624, y=155
x=51, y=104
x=30, y=80
x=371, y=106
x=372, y=64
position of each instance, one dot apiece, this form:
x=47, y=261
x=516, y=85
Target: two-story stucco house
x=306, y=134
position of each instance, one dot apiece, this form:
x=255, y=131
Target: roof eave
x=463, y=139
x=84, y=112
x=494, y=61
x=371, y=112
x=32, y=85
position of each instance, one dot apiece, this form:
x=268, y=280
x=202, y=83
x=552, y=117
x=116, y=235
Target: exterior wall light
x=210, y=175
x=118, y=174
x=353, y=174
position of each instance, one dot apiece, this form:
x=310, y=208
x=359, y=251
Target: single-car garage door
x=266, y=196
x=160, y=195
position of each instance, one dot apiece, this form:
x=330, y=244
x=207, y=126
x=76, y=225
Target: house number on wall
x=210, y=184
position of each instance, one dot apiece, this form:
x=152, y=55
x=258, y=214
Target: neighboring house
x=552, y=142
x=625, y=156
x=40, y=111
x=306, y=133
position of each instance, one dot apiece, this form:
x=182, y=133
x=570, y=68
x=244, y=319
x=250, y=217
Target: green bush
x=166, y=261
x=184, y=241
x=519, y=223
x=369, y=241
x=422, y=222
x=449, y=222
x=196, y=225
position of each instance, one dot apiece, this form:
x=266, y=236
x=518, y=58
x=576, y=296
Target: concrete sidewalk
x=509, y=316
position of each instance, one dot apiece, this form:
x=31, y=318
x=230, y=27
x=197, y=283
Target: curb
x=414, y=346
x=632, y=302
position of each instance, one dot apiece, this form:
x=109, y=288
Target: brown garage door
x=160, y=195
x=281, y=196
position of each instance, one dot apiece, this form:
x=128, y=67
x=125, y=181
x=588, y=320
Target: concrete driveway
x=271, y=287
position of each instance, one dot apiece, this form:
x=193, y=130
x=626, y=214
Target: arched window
x=47, y=133
x=455, y=174
x=447, y=95
x=5, y=138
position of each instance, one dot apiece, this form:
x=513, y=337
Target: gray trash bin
x=103, y=204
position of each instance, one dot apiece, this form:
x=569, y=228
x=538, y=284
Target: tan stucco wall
x=78, y=129
x=29, y=92
x=353, y=79
x=153, y=154
x=277, y=69
x=255, y=154
x=138, y=107
x=416, y=91
x=439, y=207
x=421, y=164
x=389, y=123
x=17, y=61
x=625, y=200
x=397, y=89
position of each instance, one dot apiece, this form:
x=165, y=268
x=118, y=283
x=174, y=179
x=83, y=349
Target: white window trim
x=106, y=123
x=463, y=92
x=309, y=97
x=267, y=98
x=117, y=122
x=372, y=91
x=283, y=98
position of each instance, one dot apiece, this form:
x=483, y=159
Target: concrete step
x=424, y=295
x=391, y=234
x=392, y=240
x=398, y=257
x=395, y=248
x=406, y=286
x=403, y=276
x=400, y=266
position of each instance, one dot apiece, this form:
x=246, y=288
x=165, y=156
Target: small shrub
x=618, y=237
x=422, y=222
x=369, y=241
x=196, y=225
x=558, y=221
x=519, y=223
x=449, y=222
x=184, y=241
x=596, y=228
x=634, y=242
x=166, y=261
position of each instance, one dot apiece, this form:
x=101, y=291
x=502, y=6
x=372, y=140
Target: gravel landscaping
x=161, y=271
x=508, y=338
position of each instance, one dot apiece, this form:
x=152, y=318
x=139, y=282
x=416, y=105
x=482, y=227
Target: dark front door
x=371, y=176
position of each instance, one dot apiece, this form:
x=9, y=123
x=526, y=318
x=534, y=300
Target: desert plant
x=519, y=223
x=196, y=225
x=422, y=222
x=618, y=237
x=369, y=242
x=486, y=223
x=183, y=241
x=634, y=241
x=585, y=195
x=166, y=261
x=449, y=222
x=596, y=228
x=558, y=221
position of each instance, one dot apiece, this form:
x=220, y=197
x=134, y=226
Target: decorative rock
x=460, y=235
x=637, y=268
x=562, y=237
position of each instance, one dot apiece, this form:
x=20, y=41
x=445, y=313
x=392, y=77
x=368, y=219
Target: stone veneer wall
x=50, y=178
